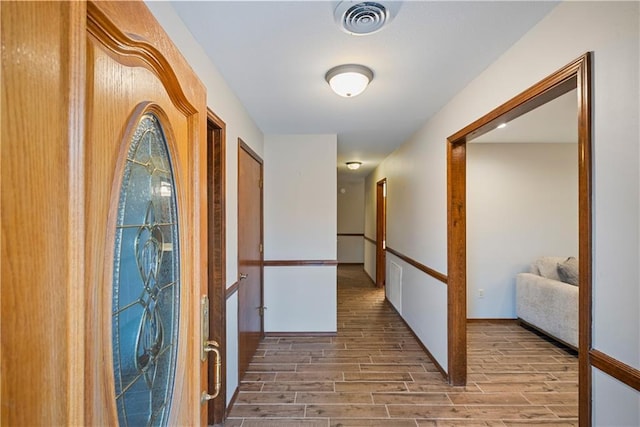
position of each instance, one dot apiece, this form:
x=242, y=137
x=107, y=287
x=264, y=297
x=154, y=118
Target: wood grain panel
x=133, y=67
x=42, y=286
x=232, y=290
x=217, y=258
x=582, y=69
x=456, y=263
x=615, y=368
x=69, y=89
x=250, y=258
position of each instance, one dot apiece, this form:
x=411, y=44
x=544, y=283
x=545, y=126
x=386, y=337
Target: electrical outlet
x=480, y=293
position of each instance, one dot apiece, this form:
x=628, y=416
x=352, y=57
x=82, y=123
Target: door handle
x=243, y=276
x=212, y=346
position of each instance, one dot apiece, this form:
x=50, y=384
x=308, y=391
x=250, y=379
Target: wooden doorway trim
x=381, y=232
x=217, y=259
x=576, y=75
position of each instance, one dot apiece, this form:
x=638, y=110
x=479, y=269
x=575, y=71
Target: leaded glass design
x=146, y=287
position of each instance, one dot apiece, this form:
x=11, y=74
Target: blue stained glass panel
x=146, y=281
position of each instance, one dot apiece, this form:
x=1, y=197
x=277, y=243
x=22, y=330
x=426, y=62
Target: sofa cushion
x=548, y=266
x=549, y=305
x=568, y=271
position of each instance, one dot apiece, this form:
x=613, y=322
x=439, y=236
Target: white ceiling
x=553, y=122
x=274, y=55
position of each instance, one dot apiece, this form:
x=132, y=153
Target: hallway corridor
x=374, y=373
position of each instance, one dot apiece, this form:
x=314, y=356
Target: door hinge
x=260, y=183
x=204, y=326
x=260, y=248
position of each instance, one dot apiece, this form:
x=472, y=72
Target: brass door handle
x=243, y=276
x=212, y=346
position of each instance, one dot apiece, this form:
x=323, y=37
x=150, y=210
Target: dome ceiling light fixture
x=360, y=18
x=354, y=165
x=349, y=80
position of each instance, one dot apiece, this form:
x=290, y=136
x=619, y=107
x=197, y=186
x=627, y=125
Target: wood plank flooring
x=374, y=373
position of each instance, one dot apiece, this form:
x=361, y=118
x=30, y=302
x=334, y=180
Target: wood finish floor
x=374, y=373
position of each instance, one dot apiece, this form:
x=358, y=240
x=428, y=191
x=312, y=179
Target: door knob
x=243, y=276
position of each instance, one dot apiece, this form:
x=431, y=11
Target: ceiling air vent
x=361, y=18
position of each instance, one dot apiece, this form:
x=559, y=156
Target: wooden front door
x=145, y=179
x=250, y=260
x=103, y=178
x=145, y=184
x=381, y=232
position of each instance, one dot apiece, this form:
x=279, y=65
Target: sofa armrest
x=549, y=305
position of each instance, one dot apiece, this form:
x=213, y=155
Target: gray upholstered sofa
x=547, y=301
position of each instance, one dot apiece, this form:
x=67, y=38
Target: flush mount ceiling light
x=349, y=80
x=354, y=165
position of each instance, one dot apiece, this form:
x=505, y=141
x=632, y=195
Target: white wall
x=370, y=259
x=522, y=203
x=610, y=394
x=351, y=221
x=300, y=206
x=417, y=228
x=300, y=299
x=350, y=249
x=420, y=306
x=222, y=101
x=232, y=345
x=300, y=197
x=416, y=173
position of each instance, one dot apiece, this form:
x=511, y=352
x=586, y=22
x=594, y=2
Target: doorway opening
x=576, y=75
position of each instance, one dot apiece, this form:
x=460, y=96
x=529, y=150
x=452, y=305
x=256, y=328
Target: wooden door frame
x=245, y=147
x=381, y=232
x=42, y=222
x=217, y=258
x=576, y=75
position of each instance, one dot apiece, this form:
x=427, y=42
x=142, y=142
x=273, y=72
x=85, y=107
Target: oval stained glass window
x=146, y=280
